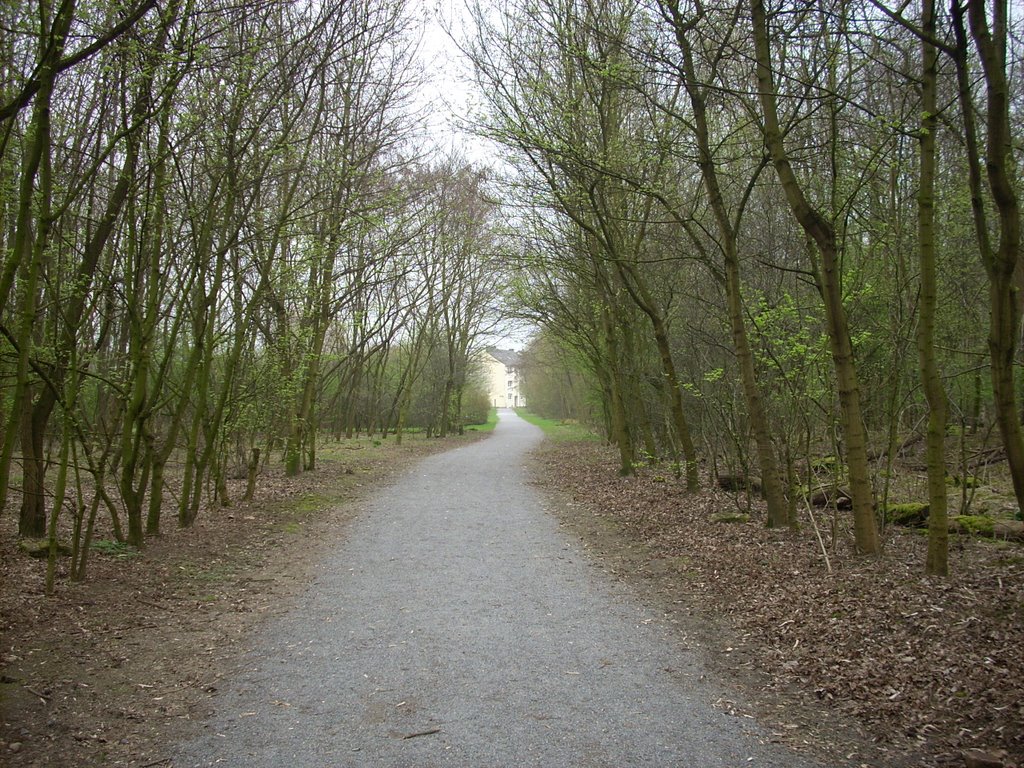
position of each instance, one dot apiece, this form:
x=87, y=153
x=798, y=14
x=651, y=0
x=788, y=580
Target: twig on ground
x=33, y=691
x=821, y=542
x=431, y=732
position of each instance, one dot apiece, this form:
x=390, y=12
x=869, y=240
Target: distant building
x=501, y=369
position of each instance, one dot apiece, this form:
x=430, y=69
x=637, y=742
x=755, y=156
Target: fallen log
x=988, y=527
x=829, y=495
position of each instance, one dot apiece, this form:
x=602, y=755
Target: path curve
x=457, y=625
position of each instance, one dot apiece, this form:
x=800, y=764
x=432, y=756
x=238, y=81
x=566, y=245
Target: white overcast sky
x=449, y=92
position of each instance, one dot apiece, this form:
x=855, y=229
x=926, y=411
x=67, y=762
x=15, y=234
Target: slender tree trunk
x=631, y=395
x=29, y=244
x=619, y=423
x=52, y=40
x=410, y=374
x=355, y=383
x=83, y=539
x=193, y=471
x=935, y=447
x=829, y=279
x=32, y=521
x=60, y=489
x=768, y=463
x=137, y=440
x=156, y=494
x=192, y=481
x=445, y=413
x=159, y=455
x=1000, y=259
x=252, y=469
x=642, y=296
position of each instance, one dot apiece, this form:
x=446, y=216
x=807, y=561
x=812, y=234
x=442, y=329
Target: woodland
x=779, y=242
x=771, y=247
x=222, y=237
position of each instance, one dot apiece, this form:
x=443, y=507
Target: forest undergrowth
x=924, y=668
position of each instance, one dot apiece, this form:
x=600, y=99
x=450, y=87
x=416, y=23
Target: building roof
x=506, y=356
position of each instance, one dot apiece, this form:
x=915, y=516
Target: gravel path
x=457, y=625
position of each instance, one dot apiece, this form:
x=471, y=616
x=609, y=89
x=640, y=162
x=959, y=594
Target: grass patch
x=488, y=426
x=116, y=549
x=310, y=503
x=561, y=430
x=347, y=450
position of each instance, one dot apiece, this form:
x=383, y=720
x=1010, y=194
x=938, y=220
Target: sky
x=449, y=94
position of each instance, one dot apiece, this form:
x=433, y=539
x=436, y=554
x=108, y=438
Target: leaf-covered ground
x=924, y=668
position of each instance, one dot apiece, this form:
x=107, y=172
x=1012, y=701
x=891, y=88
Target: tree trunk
x=156, y=496
x=767, y=460
x=60, y=489
x=937, y=562
x=768, y=463
x=619, y=424
x=36, y=152
x=32, y=520
x=28, y=246
x=251, y=473
x=195, y=466
x=829, y=279
x=637, y=287
x=999, y=259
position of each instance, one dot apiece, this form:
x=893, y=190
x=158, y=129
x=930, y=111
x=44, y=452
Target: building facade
x=501, y=368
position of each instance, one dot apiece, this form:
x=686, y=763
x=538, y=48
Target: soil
x=867, y=661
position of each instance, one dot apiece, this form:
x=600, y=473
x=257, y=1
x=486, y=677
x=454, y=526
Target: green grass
x=488, y=426
x=371, y=447
x=310, y=503
x=558, y=429
x=115, y=549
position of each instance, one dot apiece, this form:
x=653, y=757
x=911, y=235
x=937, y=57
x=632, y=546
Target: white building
x=501, y=370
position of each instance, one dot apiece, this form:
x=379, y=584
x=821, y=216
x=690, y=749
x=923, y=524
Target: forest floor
x=923, y=669
x=869, y=661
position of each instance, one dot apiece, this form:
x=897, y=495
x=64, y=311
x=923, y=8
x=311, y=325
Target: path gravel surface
x=457, y=625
